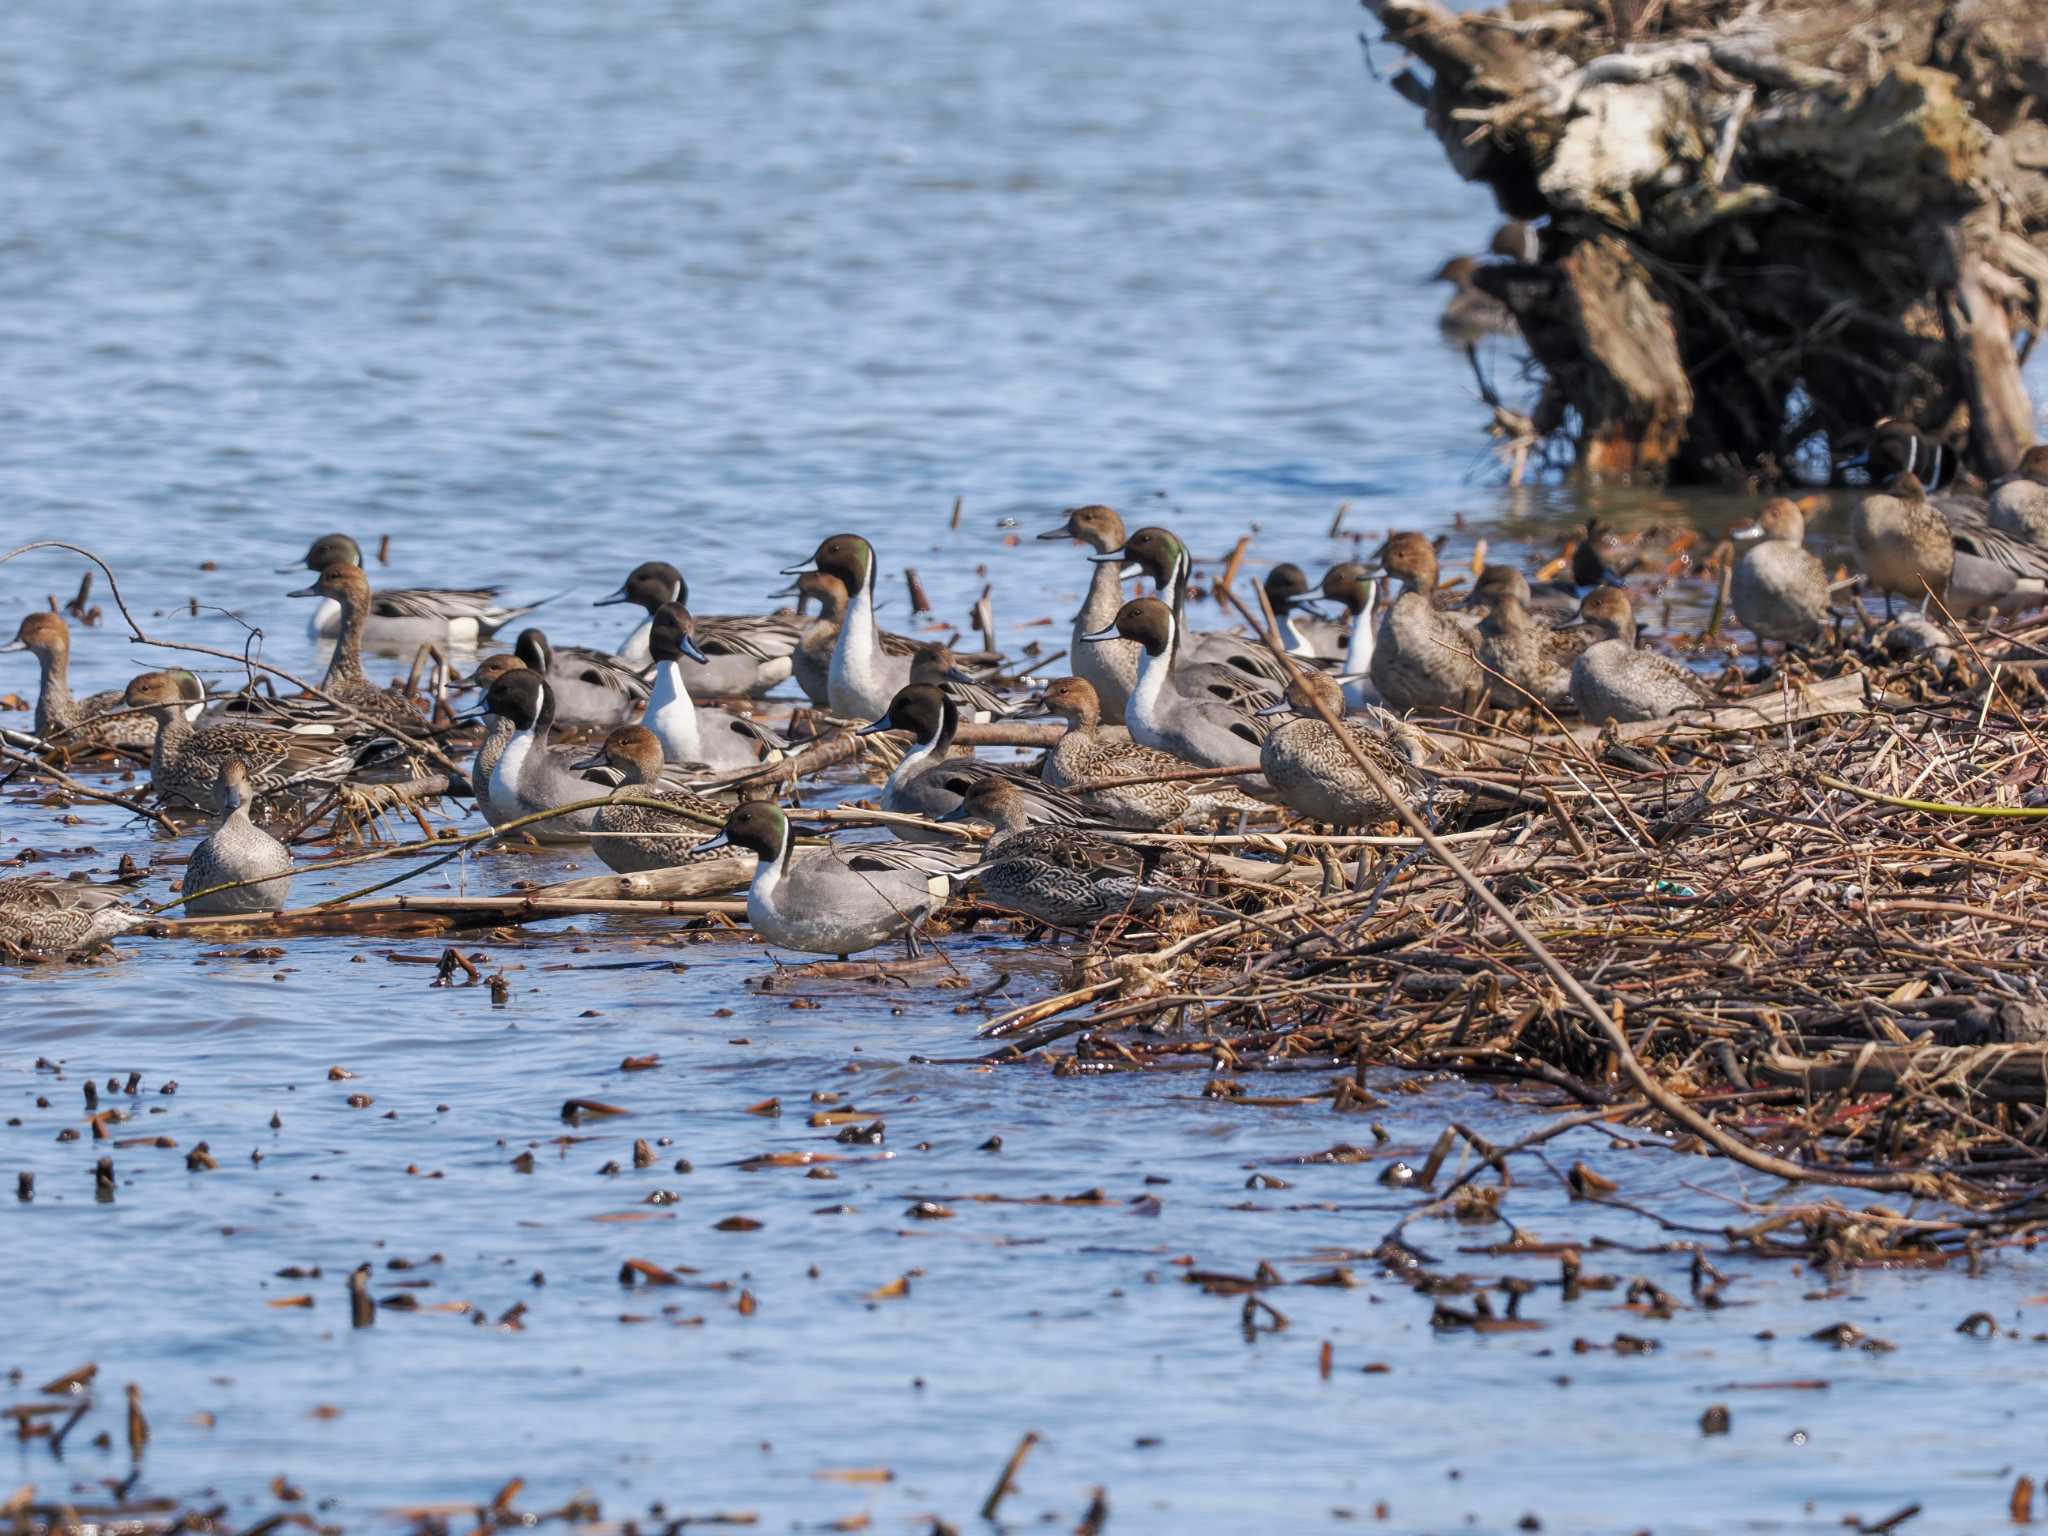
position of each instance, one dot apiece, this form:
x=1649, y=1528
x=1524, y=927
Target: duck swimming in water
x=403, y=619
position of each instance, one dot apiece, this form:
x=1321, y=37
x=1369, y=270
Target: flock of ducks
x=1163, y=726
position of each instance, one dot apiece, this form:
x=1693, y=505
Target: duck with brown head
x=1423, y=657
x=1316, y=777
x=688, y=732
x=2019, y=503
x=812, y=660
x=633, y=838
x=926, y=781
x=349, y=589
x=405, y=618
x=1780, y=587
x=1232, y=668
x=1064, y=877
x=185, y=760
x=1112, y=668
x=1524, y=659
x=1615, y=681
x=236, y=853
x=1088, y=752
x=530, y=775
x=1204, y=732
x=498, y=730
x=745, y=654
x=99, y=719
x=834, y=901
x=591, y=687
x=863, y=676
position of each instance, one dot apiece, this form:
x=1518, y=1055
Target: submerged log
x=1770, y=223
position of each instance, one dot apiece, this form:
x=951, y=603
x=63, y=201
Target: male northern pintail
x=1423, y=657
x=498, y=731
x=863, y=676
x=1521, y=656
x=1087, y=752
x=78, y=724
x=1317, y=778
x=591, y=687
x=1358, y=590
x=1780, y=587
x=1203, y=732
x=2019, y=503
x=1304, y=631
x=1223, y=666
x=1110, y=668
x=1900, y=448
x=235, y=851
x=46, y=919
x=928, y=661
x=745, y=655
x=406, y=618
x=928, y=781
x=834, y=901
x=1062, y=876
x=689, y=733
x=348, y=588
x=631, y=838
x=1909, y=546
x=185, y=760
x=1614, y=681
x=530, y=775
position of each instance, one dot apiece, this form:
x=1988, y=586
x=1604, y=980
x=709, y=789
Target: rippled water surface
x=544, y=290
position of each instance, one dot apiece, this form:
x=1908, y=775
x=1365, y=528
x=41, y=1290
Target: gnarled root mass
x=1771, y=222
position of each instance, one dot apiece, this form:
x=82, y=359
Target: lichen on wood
x=1770, y=223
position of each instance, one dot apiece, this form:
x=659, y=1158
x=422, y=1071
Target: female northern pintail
x=1780, y=587
x=186, y=760
x=591, y=688
x=1062, y=876
x=498, y=732
x=1316, y=777
x=64, y=721
x=1471, y=313
x=2019, y=503
x=46, y=919
x=1110, y=668
x=1303, y=631
x=715, y=738
x=929, y=779
x=1224, y=666
x=1204, y=732
x=929, y=662
x=1910, y=546
x=349, y=589
x=406, y=618
x=235, y=851
x=1358, y=590
x=1086, y=752
x=1423, y=657
x=745, y=655
x=529, y=775
x=834, y=901
x=1614, y=681
x=1522, y=657
x=1552, y=602
x=631, y=838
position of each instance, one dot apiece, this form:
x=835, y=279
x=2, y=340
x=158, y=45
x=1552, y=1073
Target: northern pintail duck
x=1203, y=732
x=1780, y=587
x=1064, y=877
x=529, y=775
x=1110, y=668
x=64, y=721
x=2019, y=503
x=1614, y=681
x=1522, y=656
x=1303, y=631
x=1471, y=313
x=237, y=850
x=1900, y=448
x=1910, y=546
x=632, y=838
x=46, y=919
x=1553, y=602
x=185, y=760
x=498, y=731
x=591, y=686
x=1317, y=778
x=1087, y=752
x=687, y=731
x=864, y=676
x=406, y=618
x=929, y=779
x=812, y=659
x=1223, y=666
x=348, y=588
x=745, y=654
x=1423, y=657
x=834, y=901
x=1358, y=590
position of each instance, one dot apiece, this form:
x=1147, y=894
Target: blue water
x=541, y=291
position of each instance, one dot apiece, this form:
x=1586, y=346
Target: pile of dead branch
x=1770, y=222
x=1805, y=932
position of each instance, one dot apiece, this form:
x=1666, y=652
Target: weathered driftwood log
x=1771, y=222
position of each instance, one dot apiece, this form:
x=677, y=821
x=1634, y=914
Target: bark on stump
x=1769, y=224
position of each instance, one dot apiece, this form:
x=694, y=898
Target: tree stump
x=1769, y=223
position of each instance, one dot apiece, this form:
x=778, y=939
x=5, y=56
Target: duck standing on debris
x=1616, y=682
x=1780, y=587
